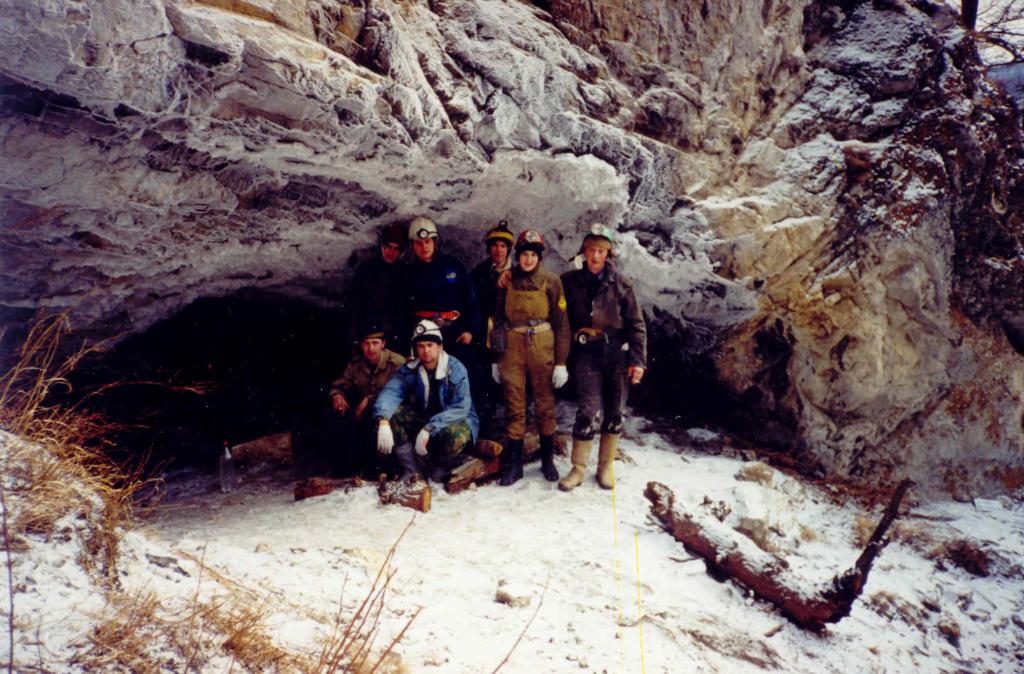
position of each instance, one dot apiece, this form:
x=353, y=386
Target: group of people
x=510, y=316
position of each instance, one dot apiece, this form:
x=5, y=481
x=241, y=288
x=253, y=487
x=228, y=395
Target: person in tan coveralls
x=530, y=313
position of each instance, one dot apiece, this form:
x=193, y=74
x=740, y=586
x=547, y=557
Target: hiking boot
x=407, y=463
x=606, y=460
x=580, y=455
x=512, y=460
x=547, y=458
x=439, y=472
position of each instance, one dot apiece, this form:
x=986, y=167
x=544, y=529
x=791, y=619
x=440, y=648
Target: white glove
x=422, y=438
x=495, y=373
x=385, y=438
x=559, y=376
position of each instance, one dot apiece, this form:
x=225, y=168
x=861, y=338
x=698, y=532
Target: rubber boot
x=512, y=460
x=547, y=458
x=606, y=458
x=407, y=461
x=580, y=455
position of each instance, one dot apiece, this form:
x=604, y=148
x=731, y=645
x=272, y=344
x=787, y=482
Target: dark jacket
x=485, y=284
x=377, y=297
x=610, y=305
x=443, y=285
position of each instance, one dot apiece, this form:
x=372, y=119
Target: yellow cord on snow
x=639, y=612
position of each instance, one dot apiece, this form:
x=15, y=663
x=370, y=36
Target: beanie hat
x=394, y=233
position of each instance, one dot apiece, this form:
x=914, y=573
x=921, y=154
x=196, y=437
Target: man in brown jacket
x=352, y=397
x=609, y=353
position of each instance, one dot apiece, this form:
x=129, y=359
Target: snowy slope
x=586, y=559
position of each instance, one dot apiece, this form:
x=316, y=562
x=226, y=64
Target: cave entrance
x=222, y=370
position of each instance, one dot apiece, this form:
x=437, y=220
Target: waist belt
x=591, y=335
x=531, y=327
x=442, y=318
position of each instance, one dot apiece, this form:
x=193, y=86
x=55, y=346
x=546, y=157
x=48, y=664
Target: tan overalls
x=530, y=351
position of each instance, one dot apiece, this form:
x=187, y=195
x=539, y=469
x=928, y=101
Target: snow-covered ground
x=607, y=590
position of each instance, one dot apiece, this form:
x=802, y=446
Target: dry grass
x=57, y=483
x=58, y=468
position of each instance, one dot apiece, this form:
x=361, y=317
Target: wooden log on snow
x=318, y=486
x=414, y=494
x=486, y=467
x=734, y=556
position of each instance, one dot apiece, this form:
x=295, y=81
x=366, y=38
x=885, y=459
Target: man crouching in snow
x=427, y=399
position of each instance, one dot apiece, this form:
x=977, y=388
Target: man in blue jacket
x=425, y=410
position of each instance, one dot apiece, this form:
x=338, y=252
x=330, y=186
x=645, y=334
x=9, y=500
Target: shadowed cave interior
x=235, y=368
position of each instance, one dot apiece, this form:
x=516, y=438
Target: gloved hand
x=422, y=438
x=559, y=376
x=495, y=373
x=385, y=438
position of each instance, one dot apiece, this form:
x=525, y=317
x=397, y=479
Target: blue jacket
x=409, y=383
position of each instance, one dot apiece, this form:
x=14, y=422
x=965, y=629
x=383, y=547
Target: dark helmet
x=530, y=239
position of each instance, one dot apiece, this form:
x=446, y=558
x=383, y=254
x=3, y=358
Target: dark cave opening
x=222, y=370
x=233, y=369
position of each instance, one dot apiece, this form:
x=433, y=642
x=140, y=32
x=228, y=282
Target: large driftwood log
x=415, y=494
x=768, y=576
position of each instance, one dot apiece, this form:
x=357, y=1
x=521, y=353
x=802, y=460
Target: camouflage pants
x=407, y=422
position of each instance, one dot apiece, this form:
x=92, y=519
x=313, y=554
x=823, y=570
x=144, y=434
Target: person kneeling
x=424, y=413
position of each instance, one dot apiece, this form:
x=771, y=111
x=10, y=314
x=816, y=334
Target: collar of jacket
x=504, y=267
x=442, y=367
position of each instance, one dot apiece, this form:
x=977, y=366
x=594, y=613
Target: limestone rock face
x=821, y=198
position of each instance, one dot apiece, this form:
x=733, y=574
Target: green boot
x=606, y=459
x=580, y=455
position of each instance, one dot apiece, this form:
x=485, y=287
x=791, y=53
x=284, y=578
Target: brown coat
x=360, y=379
x=553, y=313
x=613, y=309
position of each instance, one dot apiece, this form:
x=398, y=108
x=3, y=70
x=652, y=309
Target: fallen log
x=487, y=466
x=414, y=494
x=318, y=486
x=732, y=556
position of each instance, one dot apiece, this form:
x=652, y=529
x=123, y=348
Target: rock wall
x=820, y=197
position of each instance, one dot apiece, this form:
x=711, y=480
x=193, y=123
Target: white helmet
x=422, y=228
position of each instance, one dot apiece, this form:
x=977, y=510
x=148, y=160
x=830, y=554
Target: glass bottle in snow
x=226, y=470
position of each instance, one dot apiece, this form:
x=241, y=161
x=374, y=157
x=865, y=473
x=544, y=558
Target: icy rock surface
x=826, y=193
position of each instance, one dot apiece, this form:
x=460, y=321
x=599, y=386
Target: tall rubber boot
x=407, y=461
x=580, y=455
x=605, y=459
x=547, y=458
x=512, y=458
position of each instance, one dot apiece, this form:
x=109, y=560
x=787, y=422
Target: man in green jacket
x=352, y=396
